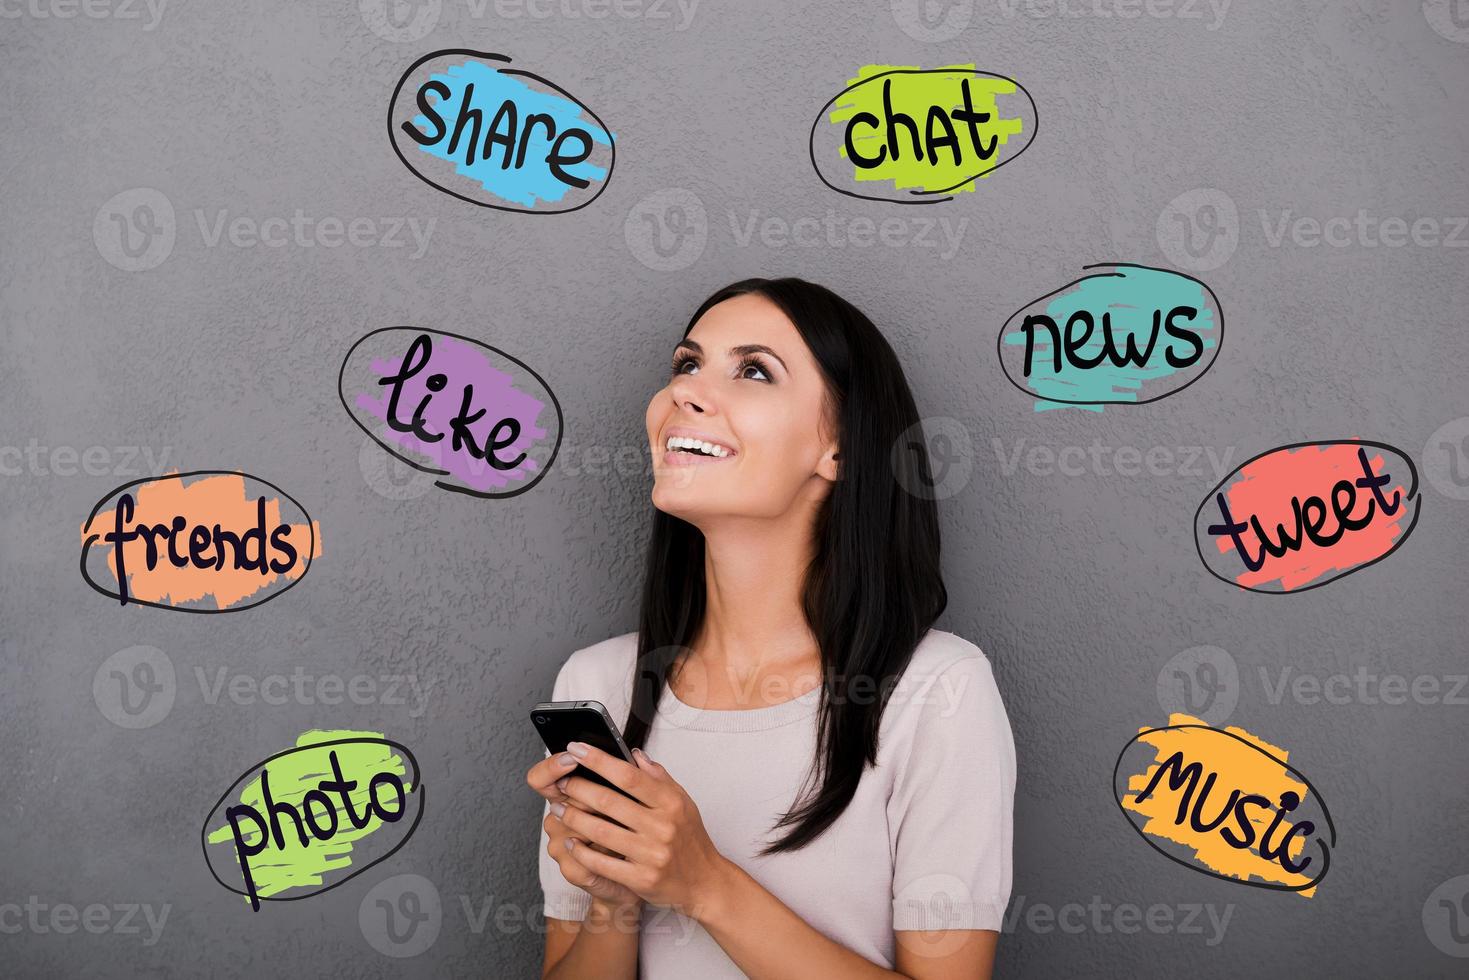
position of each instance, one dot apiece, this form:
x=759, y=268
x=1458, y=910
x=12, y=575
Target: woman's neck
x=755, y=646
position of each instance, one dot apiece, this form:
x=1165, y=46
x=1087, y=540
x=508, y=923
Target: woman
x=834, y=780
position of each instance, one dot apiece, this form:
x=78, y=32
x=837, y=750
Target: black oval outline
x=1413, y=495
x=490, y=56
x=417, y=790
x=560, y=421
x=87, y=544
x=1268, y=886
x=1218, y=344
x=923, y=197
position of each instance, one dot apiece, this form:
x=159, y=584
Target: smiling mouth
x=683, y=451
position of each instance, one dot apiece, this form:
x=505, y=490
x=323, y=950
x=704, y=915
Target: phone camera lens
x=540, y=719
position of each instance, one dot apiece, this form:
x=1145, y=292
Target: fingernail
x=561, y=783
x=569, y=842
x=566, y=759
x=645, y=756
x=578, y=749
x=558, y=809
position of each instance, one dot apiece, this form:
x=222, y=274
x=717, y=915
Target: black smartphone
x=559, y=722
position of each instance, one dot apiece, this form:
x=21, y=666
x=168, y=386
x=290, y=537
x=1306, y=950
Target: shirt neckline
x=674, y=712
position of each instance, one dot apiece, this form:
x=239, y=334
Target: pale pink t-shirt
x=925, y=843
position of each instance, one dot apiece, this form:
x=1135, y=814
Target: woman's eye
x=755, y=365
x=679, y=363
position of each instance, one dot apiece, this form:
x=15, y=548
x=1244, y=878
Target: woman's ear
x=830, y=467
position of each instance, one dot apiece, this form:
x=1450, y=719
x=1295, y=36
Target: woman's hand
x=542, y=778
x=665, y=856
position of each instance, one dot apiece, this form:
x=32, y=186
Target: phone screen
x=561, y=725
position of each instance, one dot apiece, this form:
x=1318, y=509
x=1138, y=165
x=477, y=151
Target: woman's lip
x=674, y=457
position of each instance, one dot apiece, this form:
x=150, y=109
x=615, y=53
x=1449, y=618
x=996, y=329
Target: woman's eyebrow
x=739, y=351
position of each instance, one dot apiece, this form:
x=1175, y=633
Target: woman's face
x=745, y=381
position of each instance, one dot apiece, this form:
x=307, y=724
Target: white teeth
x=707, y=448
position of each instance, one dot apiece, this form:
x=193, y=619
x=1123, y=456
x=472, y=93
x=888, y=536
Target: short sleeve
x=562, y=899
x=951, y=813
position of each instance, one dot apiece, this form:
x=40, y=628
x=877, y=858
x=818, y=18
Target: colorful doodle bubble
x=453, y=407
x=1123, y=335
x=468, y=124
x=209, y=541
x=314, y=816
x=1298, y=517
x=920, y=136
x=1225, y=803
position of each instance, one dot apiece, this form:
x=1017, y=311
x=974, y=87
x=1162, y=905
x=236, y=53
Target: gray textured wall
x=1081, y=586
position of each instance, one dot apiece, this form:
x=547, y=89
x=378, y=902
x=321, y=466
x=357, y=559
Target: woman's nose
x=686, y=395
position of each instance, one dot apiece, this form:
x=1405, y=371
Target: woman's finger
x=610, y=868
x=636, y=782
x=609, y=803
x=542, y=776
x=594, y=829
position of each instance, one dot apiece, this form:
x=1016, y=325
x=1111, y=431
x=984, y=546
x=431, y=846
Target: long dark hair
x=874, y=587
